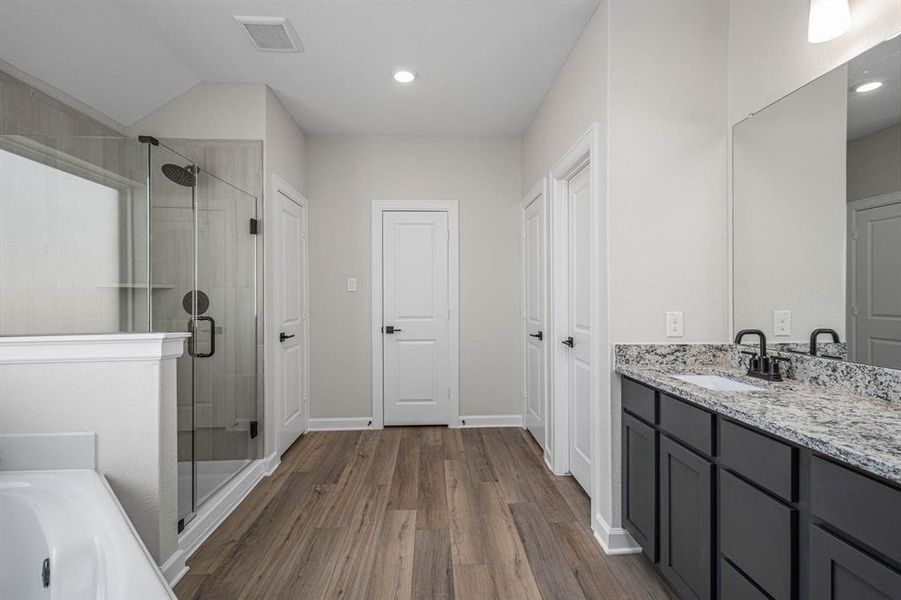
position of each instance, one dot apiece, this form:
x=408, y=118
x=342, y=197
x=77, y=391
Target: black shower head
x=180, y=175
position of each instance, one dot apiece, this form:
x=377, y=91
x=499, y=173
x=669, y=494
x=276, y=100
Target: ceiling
x=872, y=111
x=484, y=65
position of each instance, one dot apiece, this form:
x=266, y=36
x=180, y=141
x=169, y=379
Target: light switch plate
x=351, y=284
x=782, y=322
x=674, y=323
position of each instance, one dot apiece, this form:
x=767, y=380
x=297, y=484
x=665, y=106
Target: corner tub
x=64, y=536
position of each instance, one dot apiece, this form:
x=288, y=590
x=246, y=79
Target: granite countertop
x=861, y=431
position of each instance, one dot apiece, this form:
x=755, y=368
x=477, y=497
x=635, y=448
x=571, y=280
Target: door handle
x=391, y=329
x=284, y=336
x=568, y=342
x=192, y=325
x=539, y=335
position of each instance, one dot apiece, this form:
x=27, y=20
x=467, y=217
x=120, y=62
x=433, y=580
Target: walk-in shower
x=110, y=235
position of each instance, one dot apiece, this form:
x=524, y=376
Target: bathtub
x=64, y=536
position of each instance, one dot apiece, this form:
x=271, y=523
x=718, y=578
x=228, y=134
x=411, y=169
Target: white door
x=416, y=367
x=578, y=336
x=291, y=310
x=877, y=286
x=534, y=330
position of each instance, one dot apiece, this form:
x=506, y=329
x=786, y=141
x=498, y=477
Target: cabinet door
x=686, y=527
x=640, y=484
x=838, y=571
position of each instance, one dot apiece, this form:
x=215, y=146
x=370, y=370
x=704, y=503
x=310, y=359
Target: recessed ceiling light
x=404, y=76
x=868, y=87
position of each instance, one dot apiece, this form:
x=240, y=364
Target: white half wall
x=120, y=387
x=345, y=175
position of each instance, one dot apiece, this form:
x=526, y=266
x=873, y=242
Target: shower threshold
x=211, y=476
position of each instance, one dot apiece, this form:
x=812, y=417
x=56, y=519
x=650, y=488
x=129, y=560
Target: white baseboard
x=340, y=424
x=215, y=510
x=613, y=540
x=490, y=421
x=175, y=568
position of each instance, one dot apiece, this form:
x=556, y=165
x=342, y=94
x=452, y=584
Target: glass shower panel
x=224, y=341
x=73, y=235
x=172, y=276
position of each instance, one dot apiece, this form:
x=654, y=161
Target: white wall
x=345, y=175
x=790, y=209
x=210, y=111
x=667, y=169
x=575, y=101
x=874, y=164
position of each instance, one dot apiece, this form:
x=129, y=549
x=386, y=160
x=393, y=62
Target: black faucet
x=762, y=367
x=817, y=333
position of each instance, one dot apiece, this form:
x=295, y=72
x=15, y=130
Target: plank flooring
x=414, y=513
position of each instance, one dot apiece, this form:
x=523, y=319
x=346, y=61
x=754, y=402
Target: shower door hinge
x=254, y=429
x=181, y=525
x=254, y=227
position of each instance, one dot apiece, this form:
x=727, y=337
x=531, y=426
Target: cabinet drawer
x=734, y=585
x=865, y=509
x=763, y=460
x=688, y=423
x=839, y=571
x=640, y=400
x=757, y=533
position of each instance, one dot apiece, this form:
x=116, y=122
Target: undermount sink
x=717, y=383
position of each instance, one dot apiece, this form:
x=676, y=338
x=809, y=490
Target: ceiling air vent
x=271, y=34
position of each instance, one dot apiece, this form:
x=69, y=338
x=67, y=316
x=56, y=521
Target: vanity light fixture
x=828, y=20
x=404, y=76
x=869, y=86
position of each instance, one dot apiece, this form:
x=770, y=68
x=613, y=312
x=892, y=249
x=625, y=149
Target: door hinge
x=448, y=393
x=854, y=234
x=254, y=429
x=254, y=227
x=523, y=233
x=181, y=525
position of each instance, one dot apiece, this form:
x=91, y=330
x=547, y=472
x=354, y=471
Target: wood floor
x=413, y=512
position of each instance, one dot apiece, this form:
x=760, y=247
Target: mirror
x=817, y=213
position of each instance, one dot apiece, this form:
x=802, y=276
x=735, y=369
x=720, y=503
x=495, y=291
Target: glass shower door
x=224, y=341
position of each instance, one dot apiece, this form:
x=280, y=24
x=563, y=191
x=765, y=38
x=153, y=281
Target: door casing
x=453, y=272
x=583, y=154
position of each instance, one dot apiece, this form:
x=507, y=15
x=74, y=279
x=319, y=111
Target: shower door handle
x=193, y=326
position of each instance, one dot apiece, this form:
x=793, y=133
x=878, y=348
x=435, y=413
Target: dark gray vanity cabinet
x=726, y=511
x=686, y=520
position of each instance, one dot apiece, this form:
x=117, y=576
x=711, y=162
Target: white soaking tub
x=64, y=536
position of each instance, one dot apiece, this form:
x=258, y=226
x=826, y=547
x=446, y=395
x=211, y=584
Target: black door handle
x=391, y=329
x=192, y=325
x=539, y=335
x=284, y=336
x=568, y=342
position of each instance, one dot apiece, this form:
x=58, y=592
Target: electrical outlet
x=351, y=284
x=782, y=322
x=674, y=323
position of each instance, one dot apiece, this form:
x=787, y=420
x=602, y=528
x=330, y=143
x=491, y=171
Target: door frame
x=280, y=186
x=854, y=207
x=540, y=189
x=584, y=153
x=379, y=207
